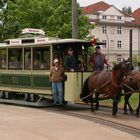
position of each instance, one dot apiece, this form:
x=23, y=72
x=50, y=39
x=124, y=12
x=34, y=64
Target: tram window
x=27, y=58
x=15, y=58
x=41, y=58
x=2, y=59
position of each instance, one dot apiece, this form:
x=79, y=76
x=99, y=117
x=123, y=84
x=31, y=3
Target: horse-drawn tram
x=25, y=67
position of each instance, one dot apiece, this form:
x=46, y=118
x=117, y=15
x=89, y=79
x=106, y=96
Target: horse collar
x=113, y=74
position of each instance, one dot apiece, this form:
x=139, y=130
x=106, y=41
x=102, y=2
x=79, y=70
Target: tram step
x=25, y=103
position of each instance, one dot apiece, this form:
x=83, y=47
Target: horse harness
x=99, y=86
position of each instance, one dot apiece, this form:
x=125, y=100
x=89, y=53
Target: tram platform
x=26, y=103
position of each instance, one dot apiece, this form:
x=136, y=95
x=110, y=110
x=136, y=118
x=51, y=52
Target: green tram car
x=25, y=67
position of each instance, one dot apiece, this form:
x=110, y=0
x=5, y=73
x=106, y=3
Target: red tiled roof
x=136, y=14
x=136, y=22
x=99, y=6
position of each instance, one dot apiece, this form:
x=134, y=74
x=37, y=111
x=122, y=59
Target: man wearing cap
x=57, y=77
x=98, y=60
x=69, y=63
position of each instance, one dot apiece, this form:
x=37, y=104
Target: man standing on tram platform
x=57, y=77
x=98, y=60
x=69, y=62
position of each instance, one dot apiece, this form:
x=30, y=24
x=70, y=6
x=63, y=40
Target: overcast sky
x=117, y=3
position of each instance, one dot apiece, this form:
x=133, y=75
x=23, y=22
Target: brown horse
x=110, y=83
x=132, y=87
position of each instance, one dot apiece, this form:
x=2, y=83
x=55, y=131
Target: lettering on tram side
x=23, y=72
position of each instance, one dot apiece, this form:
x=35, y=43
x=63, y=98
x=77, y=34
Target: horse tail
x=85, y=91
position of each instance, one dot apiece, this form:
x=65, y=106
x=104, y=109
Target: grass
x=134, y=100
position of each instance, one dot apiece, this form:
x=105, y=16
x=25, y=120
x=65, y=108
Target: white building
x=113, y=27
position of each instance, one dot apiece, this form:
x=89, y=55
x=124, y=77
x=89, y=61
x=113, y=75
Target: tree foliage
x=53, y=16
x=127, y=10
x=2, y=3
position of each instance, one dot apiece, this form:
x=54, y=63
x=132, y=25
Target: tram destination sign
x=33, y=31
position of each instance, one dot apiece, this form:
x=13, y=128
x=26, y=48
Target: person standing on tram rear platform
x=57, y=78
x=98, y=60
x=69, y=62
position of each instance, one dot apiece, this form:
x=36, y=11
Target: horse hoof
x=131, y=112
x=96, y=108
x=137, y=115
x=92, y=110
x=114, y=116
x=125, y=113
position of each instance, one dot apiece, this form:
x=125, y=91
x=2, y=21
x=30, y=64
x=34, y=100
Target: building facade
x=114, y=27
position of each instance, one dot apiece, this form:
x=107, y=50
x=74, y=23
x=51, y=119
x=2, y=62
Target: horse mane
x=117, y=66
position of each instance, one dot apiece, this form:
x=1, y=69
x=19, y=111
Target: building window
x=104, y=29
x=111, y=43
x=119, y=58
x=104, y=17
x=104, y=41
x=119, y=17
x=119, y=44
x=119, y=30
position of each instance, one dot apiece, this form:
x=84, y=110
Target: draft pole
x=74, y=19
x=130, y=45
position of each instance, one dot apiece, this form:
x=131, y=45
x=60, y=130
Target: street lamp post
x=130, y=48
x=74, y=19
x=107, y=45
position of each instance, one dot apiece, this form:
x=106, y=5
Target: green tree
x=127, y=10
x=2, y=3
x=136, y=60
x=53, y=16
x=2, y=6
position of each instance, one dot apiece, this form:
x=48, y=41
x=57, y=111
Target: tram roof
x=42, y=40
x=45, y=41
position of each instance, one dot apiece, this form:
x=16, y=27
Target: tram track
x=98, y=119
x=129, y=129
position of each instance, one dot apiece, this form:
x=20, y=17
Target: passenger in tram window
x=12, y=63
x=98, y=60
x=70, y=62
x=3, y=62
x=36, y=64
x=36, y=61
x=28, y=62
x=18, y=62
x=57, y=78
x=44, y=65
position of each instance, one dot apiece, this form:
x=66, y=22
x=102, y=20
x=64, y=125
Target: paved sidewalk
x=24, y=123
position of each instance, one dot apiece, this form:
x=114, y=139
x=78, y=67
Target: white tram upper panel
x=35, y=37
x=38, y=40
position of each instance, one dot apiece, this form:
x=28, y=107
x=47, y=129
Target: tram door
x=79, y=55
x=74, y=83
